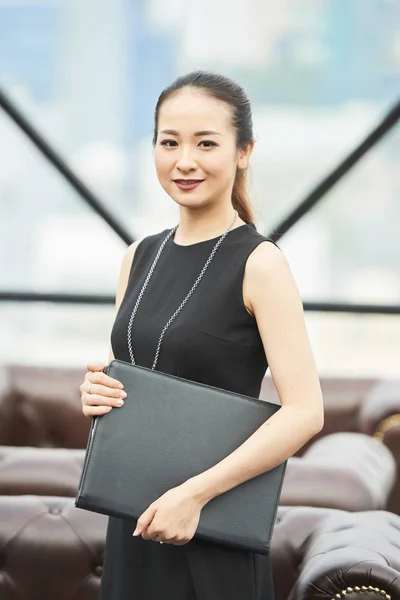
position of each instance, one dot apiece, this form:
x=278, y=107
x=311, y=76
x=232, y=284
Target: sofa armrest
x=40, y=471
x=380, y=410
x=349, y=471
x=355, y=554
x=40, y=406
x=294, y=526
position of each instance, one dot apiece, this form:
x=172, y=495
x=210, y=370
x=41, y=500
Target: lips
x=188, y=181
x=188, y=184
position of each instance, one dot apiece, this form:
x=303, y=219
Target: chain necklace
x=178, y=310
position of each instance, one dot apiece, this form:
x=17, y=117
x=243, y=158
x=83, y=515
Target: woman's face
x=196, y=143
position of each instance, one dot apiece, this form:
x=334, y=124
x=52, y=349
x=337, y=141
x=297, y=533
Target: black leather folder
x=169, y=430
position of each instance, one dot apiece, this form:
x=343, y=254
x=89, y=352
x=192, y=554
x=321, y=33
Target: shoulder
x=268, y=279
x=129, y=254
x=142, y=245
x=265, y=260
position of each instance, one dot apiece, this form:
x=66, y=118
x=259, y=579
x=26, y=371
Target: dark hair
x=225, y=90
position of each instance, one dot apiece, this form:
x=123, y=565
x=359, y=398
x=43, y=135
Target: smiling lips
x=188, y=184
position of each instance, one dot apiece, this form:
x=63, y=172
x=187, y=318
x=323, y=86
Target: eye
x=173, y=143
x=167, y=142
x=208, y=142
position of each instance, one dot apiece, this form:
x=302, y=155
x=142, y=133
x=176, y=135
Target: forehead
x=194, y=110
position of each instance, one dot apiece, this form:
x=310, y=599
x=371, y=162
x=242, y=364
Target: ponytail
x=240, y=200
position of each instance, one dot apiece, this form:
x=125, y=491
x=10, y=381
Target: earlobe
x=244, y=155
x=242, y=164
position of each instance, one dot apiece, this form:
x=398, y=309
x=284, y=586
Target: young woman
x=244, y=315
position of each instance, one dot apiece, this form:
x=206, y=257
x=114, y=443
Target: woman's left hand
x=173, y=517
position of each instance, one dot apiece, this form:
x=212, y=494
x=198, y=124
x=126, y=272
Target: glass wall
x=320, y=74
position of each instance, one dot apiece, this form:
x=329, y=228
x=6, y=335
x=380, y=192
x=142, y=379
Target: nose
x=186, y=161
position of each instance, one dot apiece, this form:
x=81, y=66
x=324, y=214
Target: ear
x=244, y=155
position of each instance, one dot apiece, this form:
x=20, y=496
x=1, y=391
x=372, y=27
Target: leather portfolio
x=169, y=430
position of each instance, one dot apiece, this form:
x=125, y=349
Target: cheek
x=224, y=168
x=161, y=164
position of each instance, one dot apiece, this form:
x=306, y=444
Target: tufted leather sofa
x=362, y=405
x=51, y=550
x=323, y=476
x=329, y=554
x=349, y=471
x=40, y=407
x=39, y=471
x=380, y=417
x=328, y=567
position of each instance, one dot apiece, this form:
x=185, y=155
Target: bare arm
x=275, y=302
x=123, y=280
x=99, y=392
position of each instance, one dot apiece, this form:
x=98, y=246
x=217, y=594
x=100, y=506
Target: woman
x=245, y=309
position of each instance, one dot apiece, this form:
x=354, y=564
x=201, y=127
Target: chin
x=188, y=200
x=194, y=203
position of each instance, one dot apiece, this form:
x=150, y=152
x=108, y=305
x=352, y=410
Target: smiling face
x=196, y=142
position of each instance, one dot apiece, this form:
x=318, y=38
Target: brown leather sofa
x=323, y=476
x=51, y=550
x=348, y=471
x=380, y=417
x=362, y=405
x=320, y=553
x=40, y=407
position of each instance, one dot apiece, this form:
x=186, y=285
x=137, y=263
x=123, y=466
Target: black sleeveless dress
x=213, y=340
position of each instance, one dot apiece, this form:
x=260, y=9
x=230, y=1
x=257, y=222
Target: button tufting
x=364, y=588
x=98, y=570
x=55, y=511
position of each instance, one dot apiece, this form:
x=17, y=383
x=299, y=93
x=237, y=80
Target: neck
x=196, y=225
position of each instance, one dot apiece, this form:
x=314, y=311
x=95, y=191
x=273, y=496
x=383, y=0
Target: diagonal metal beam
x=87, y=196
x=387, y=123
x=84, y=193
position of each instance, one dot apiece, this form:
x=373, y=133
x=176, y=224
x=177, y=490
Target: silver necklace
x=182, y=304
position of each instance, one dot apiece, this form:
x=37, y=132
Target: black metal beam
x=343, y=307
x=91, y=200
x=56, y=298
x=61, y=166
x=333, y=307
x=330, y=180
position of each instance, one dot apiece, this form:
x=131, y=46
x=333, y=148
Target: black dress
x=213, y=340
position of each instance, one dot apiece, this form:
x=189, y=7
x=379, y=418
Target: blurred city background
x=321, y=74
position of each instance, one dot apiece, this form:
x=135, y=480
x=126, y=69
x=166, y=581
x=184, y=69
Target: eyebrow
x=196, y=134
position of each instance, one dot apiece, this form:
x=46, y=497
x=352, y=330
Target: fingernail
x=120, y=385
x=120, y=402
x=135, y=532
x=123, y=394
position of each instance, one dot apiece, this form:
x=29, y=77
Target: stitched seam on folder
x=88, y=456
x=197, y=383
x=278, y=497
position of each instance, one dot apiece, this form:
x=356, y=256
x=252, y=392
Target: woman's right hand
x=99, y=392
